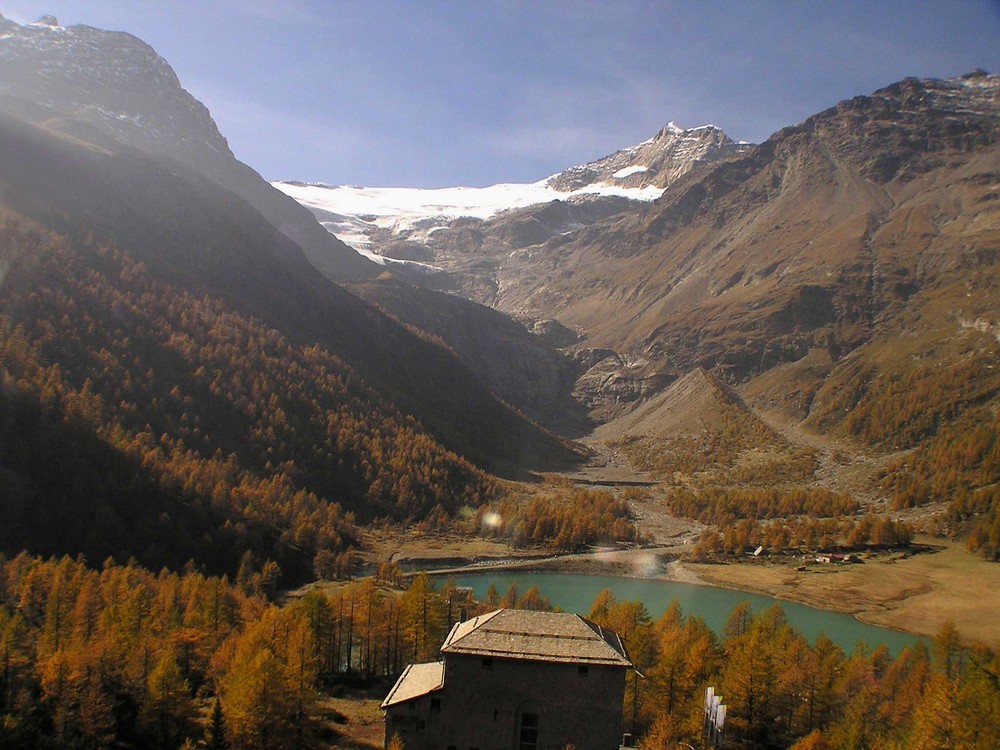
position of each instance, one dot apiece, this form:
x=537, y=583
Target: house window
x=435, y=704
x=528, y=734
x=487, y=662
x=582, y=669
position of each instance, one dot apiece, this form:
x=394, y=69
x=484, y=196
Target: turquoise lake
x=576, y=592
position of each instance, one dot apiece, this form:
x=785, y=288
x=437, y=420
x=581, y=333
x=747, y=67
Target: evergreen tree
x=215, y=731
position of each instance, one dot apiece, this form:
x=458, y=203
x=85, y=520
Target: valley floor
x=912, y=591
x=915, y=593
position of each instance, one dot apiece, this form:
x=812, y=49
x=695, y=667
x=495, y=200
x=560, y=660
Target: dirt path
x=609, y=469
x=652, y=562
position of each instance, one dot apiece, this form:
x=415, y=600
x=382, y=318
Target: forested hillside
x=200, y=238
x=182, y=384
x=948, y=414
x=142, y=420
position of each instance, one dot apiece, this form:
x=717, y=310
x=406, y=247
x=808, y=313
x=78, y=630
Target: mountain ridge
x=763, y=185
x=117, y=84
x=224, y=248
x=370, y=217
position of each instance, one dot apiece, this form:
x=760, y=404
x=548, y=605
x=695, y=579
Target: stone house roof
x=416, y=680
x=538, y=636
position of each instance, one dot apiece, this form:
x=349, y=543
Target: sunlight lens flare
x=645, y=566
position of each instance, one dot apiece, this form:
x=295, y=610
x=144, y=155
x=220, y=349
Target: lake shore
x=915, y=593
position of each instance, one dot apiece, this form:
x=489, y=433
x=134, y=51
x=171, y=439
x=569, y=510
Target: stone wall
x=483, y=702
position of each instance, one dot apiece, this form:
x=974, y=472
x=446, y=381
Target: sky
x=426, y=93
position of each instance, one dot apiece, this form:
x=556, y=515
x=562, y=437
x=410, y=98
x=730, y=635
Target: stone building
x=514, y=680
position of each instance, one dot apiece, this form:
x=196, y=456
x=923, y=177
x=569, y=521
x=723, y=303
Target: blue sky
x=430, y=94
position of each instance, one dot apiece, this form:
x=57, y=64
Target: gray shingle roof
x=416, y=680
x=538, y=636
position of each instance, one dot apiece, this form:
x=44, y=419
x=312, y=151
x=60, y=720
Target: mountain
x=690, y=405
x=816, y=238
x=658, y=162
x=191, y=232
x=525, y=368
x=844, y=274
x=114, y=92
x=80, y=79
x=179, y=382
x=755, y=256
x=639, y=173
x=163, y=175
x=430, y=229
x=841, y=275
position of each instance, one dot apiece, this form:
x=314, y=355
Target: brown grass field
x=917, y=593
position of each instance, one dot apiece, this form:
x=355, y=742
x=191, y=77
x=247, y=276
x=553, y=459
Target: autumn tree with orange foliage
x=560, y=521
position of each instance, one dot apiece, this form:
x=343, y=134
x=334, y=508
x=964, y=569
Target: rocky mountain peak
x=109, y=79
x=80, y=79
x=891, y=132
x=672, y=132
x=658, y=161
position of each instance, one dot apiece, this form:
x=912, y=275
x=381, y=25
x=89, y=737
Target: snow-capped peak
x=639, y=172
x=656, y=162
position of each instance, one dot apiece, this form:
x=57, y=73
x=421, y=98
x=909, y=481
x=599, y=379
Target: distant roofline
x=615, y=652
